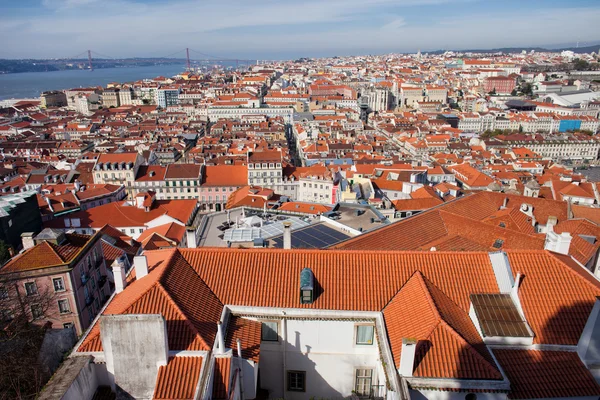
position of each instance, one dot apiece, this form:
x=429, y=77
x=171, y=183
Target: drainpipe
x=241, y=362
x=284, y=343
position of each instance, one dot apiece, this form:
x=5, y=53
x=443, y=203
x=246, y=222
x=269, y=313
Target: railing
x=378, y=392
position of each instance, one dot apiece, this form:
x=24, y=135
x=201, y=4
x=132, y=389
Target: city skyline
x=282, y=30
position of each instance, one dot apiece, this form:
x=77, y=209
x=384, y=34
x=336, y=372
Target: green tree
x=4, y=252
x=581, y=65
x=514, y=92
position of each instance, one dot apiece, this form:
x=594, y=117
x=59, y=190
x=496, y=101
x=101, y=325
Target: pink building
x=60, y=278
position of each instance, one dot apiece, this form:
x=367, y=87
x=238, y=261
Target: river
x=31, y=84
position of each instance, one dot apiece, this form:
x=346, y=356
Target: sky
x=285, y=29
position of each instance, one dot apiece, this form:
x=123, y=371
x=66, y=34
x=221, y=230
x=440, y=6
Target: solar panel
x=498, y=316
x=315, y=236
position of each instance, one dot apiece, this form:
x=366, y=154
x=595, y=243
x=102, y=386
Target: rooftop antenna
x=90, y=60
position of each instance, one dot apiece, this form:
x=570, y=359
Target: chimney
x=118, y=268
x=552, y=221
x=141, y=266
x=190, y=235
x=287, y=235
x=77, y=185
x=220, y=338
x=558, y=243
x=407, y=357
x=504, y=203
x=27, y=240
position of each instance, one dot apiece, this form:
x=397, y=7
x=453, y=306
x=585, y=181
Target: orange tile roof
x=448, y=343
x=225, y=175
x=46, y=254
x=191, y=315
x=537, y=374
x=178, y=379
x=221, y=378
x=249, y=333
x=278, y=272
x=589, y=213
x=557, y=295
x=119, y=214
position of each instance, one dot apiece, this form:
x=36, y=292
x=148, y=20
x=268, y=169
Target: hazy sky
x=276, y=29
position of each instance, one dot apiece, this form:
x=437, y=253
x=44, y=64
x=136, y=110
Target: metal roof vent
x=307, y=280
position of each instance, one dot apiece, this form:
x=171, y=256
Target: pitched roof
x=191, y=315
x=479, y=218
x=249, y=333
x=221, y=378
x=178, y=379
x=122, y=214
x=46, y=254
x=537, y=374
x=448, y=343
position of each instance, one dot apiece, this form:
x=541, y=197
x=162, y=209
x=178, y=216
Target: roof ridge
x=179, y=310
x=421, y=279
x=470, y=347
x=570, y=270
x=430, y=285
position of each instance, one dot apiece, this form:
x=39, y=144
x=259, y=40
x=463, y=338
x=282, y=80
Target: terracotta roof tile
x=46, y=254
x=178, y=379
x=221, y=378
x=174, y=290
x=546, y=374
x=249, y=333
x=448, y=343
x=557, y=298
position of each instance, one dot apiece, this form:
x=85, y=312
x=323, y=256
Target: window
x=59, y=284
x=63, y=306
x=31, y=288
x=36, y=311
x=3, y=292
x=364, y=378
x=296, y=381
x=364, y=334
x=68, y=325
x=269, y=331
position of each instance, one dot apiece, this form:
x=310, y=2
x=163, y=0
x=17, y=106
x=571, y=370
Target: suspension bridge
x=197, y=57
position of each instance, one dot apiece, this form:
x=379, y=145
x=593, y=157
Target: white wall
x=326, y=350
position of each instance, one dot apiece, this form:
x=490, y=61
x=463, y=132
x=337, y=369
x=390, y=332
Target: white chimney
x=558, y=243
x=27, y=240
x=407, y=357
x=190, y=235
x=141, y=266
x=118, y=268
x=287, y=235
x=220, y=338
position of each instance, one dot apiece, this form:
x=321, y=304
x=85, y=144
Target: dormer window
x=306, y=286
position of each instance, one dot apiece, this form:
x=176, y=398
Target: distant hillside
x=580, y=50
